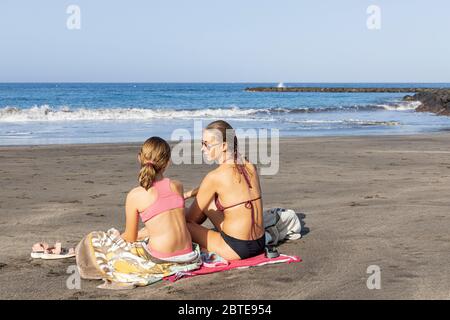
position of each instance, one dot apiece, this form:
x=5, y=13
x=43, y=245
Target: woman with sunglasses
x=230, y=196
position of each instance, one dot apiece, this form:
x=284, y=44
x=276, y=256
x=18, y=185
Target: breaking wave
x=48, y=113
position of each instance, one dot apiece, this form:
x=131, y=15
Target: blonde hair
x=153, y=157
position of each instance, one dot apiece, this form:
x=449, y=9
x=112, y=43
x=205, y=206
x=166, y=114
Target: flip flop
x=38, y=249
x=57, y=252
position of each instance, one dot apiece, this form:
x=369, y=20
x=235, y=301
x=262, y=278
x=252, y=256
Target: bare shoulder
x=176, y=185
x=137, y=193
x=213, y=175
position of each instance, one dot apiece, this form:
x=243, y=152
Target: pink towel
x=260, y=260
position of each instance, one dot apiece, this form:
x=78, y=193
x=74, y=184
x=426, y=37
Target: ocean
x=68, y=113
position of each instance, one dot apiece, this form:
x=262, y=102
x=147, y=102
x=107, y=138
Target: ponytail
x=147, y=176
x=154, y=157
x=239, y=165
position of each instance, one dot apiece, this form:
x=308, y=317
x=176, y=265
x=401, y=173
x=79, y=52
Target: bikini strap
x=248, y=204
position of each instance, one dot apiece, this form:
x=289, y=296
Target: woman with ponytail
x=230, y=196
x=160, y=204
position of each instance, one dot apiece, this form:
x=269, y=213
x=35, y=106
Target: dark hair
x=154, y=156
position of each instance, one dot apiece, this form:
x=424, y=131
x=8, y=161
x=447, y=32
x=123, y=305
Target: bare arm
x=132, y=219
x=191, y=193
x=204, y=197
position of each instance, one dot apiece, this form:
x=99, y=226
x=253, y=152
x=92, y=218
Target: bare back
x=167, y=231
x=233, y=189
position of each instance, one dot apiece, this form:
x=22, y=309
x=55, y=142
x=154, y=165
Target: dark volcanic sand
x=365, y=200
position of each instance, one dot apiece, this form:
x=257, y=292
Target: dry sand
x=363, y=200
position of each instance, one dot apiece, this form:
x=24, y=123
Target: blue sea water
x=65, y=113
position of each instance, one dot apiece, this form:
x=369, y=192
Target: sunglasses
x=209, y=146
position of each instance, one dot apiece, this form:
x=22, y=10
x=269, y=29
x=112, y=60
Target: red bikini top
x=248, y=203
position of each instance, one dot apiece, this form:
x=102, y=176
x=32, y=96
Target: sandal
x=44, y=251
x=38, y=249
x=57, y=252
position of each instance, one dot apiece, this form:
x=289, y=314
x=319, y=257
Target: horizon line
x=212, y=82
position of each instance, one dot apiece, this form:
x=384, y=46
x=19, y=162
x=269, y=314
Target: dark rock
x=437, y=101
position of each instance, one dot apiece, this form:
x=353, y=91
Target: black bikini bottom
x=245, y=248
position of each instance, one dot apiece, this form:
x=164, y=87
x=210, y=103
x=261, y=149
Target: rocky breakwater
x=338, y=89
x=436, y=101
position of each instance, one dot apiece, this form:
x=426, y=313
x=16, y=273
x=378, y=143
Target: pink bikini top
x=166, y=200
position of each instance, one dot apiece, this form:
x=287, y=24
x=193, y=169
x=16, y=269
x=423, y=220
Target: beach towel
x=123, y=265
x=281, y=224
x=256, y=261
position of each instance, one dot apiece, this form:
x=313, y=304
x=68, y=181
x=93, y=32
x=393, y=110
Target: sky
x=225, y=41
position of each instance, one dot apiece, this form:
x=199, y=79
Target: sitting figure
x=160, y=204
x=230, y=197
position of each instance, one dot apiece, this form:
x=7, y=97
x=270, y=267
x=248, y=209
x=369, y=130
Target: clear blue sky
x=225, y=41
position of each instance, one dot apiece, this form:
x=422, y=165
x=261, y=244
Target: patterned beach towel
x=123, y=265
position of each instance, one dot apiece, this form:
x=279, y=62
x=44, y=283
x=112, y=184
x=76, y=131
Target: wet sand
x=363, y=200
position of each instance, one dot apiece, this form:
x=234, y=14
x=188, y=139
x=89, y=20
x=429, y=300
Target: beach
x=363, y=200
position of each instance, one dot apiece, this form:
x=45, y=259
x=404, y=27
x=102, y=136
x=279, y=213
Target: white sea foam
x=47, y=113
x=347, y=122
x=65, y=113
x=401, y=106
